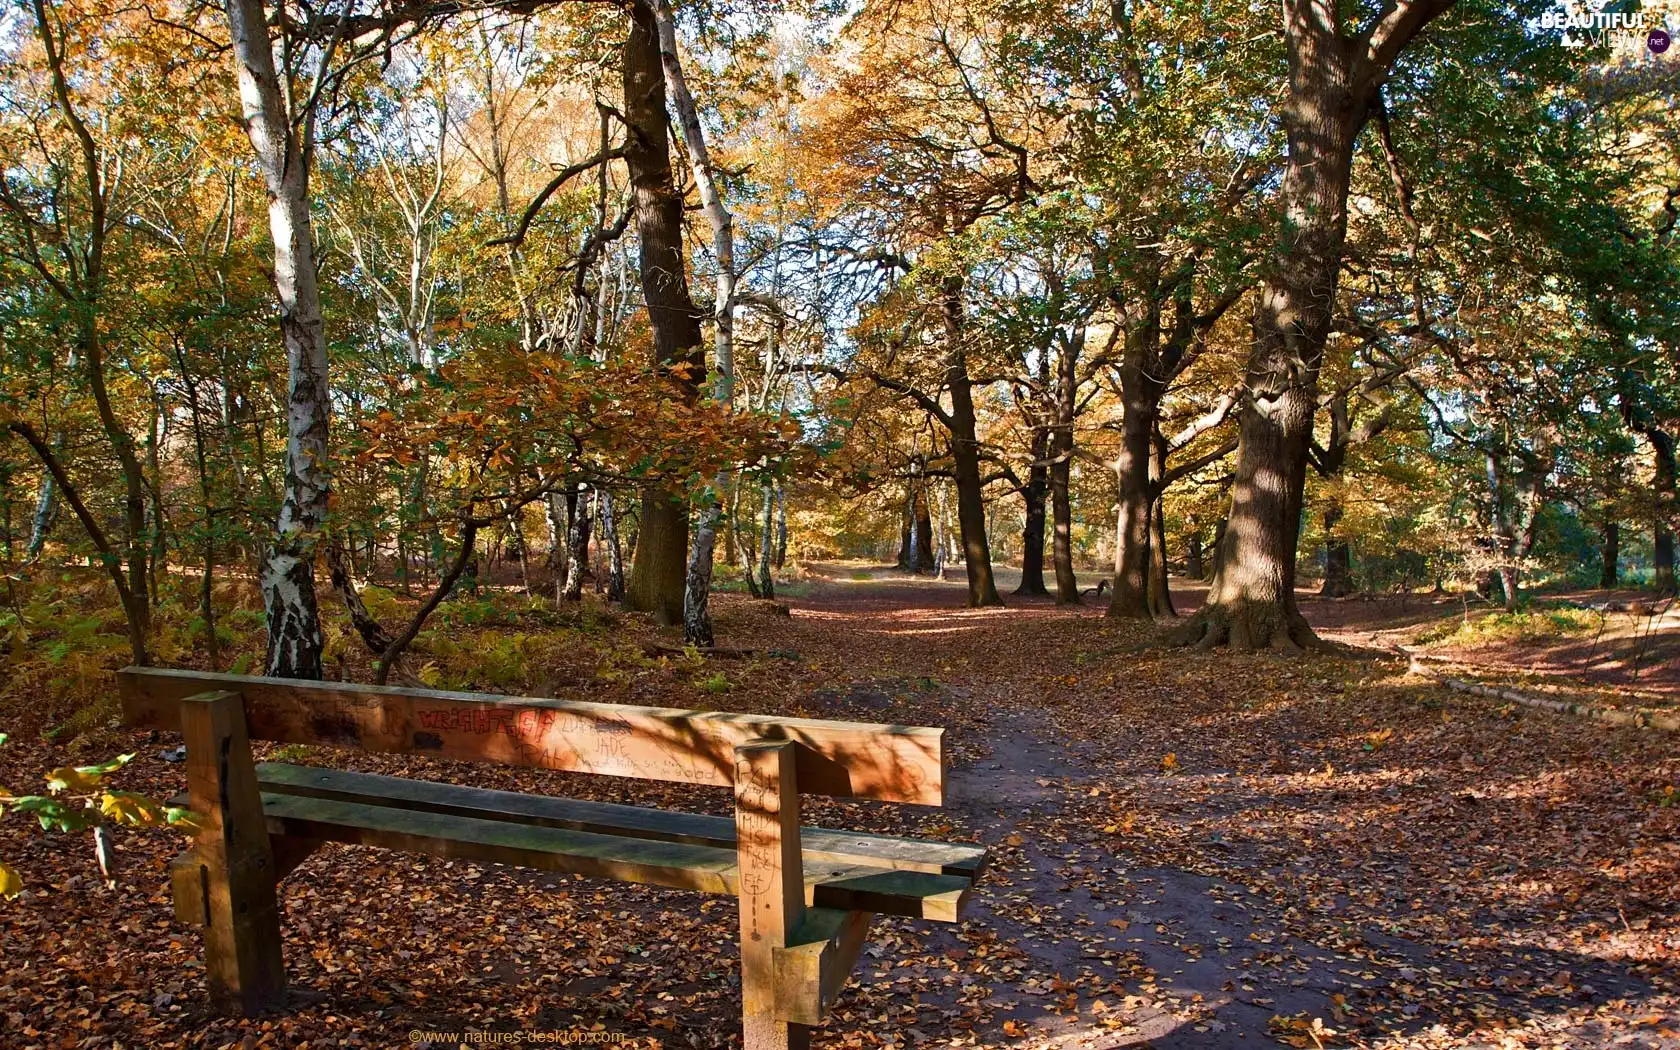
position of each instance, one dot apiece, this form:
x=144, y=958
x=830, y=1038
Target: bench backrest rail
x=890, y=763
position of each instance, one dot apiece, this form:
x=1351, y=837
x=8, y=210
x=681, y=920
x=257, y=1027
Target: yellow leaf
x=69, y=778
x=10, y=884
x=128, y=808
x=1169, y=764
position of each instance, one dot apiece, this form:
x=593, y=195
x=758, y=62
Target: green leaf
x=241, y=665
x=54, y=813
x=183, y=818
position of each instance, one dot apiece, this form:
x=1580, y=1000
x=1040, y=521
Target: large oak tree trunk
x=658, y=571
x=1334, y=77
x=1251, y=603
x=1061, y=544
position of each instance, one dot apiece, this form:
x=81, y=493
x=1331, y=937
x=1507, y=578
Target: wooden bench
x=806, y=895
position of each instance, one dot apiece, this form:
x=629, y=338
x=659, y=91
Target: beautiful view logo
x=1584, y=26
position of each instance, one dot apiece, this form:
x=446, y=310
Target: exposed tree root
x=1246, y=628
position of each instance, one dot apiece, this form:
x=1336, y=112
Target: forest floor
x=1189, y=850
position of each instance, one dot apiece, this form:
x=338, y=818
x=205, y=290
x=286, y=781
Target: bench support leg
x=234, y=861
x=772, y=882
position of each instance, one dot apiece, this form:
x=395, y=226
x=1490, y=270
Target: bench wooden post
x=237, y=894
x=772, y=885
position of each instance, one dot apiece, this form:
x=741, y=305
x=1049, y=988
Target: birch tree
x=697, y=617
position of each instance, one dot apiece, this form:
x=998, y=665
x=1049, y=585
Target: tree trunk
x=1160, y=594
x=1061, y=472
x=1662, y=560
x=907, y=530
x=1664, y=481
x=83, y=288
x=923, y=531
x=1251, y=603
x=1338, y=556
x=697, y=624
x=1061, y=548
x=157, y=523
x=46, y=509
x=781, y=525
x=133, y=605
x=339, y=573
x=554, y=508
x=578, y=530
x=1508, y=587
x=1129, y=587
x=521, y=550
x=658, y=573
x=766, y=582
x=965, y=454
x=1609, y=554
x=745, y=544
x=941, y=535
x=288, y=573
x=206, y=494
x=1032, y=533
x=615, y=552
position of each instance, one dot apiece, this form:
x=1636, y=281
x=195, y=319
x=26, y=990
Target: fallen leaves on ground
x=1335, y=852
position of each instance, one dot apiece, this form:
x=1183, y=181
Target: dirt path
x=1240, y=945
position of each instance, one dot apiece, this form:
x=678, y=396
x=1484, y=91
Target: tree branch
x=566, y=174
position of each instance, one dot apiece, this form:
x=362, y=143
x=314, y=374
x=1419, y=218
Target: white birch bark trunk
x=766, y=581
x=46, y=509
x=697, y=618
x=615, y=551
x=781, y=525
x=282, y=154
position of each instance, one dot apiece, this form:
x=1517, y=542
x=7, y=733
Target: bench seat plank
x=681, y=865
x=606, y=818
x=675, y=864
